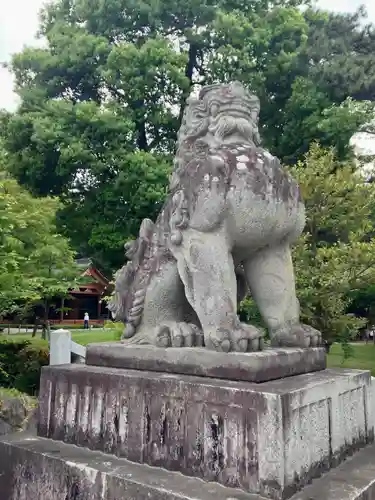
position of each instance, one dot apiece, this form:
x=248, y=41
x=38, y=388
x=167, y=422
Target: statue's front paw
x=246, y=338
x=174, y=334
x=314, y=336
x=298, y=335
x=242, y=338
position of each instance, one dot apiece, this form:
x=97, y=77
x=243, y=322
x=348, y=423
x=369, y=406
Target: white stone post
x=60, y=347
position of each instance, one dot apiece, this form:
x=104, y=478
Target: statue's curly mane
x=120, y=299
x=192, y=140
x=194, y=125
x=132, y=279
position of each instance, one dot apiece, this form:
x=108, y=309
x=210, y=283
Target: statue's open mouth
x=242, y=112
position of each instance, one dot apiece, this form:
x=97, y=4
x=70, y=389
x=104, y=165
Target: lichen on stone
x=17, y=411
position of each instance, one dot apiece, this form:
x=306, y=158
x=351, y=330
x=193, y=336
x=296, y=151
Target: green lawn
x=363, y=357
x=83, y=337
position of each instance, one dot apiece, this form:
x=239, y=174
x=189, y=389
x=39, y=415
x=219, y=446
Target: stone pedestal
x=270, y=364
x=267, y=438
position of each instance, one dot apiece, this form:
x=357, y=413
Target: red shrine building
x=86, y=298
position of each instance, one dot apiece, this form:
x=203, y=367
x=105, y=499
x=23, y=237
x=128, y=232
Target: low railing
x=67, y=322
x=62, y=347
x=29, y=327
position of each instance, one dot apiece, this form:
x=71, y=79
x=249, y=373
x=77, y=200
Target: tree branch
x=189, y=71
x=142, y=136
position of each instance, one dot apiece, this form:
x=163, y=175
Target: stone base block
x=34, y=468
x=270, y=438
x=270, y=364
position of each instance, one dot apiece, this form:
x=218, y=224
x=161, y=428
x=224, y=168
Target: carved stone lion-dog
x=228, y=223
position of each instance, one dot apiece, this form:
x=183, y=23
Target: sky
x=19, y=23
x=18, y=26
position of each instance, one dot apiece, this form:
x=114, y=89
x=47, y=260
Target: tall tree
x=101, y=104
x=334, y=259
x=333, y=87
x=36, y=263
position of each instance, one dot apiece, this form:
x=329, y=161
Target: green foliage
x=116, y=328
x=249, y=312
x=311, y=115
x=333, y=75
x=14, y=393
x=100, y=222
x=36, y=263
x=101, y=104
x=335, y=274
x=334, y=257
x=14, y=240
x=20, y=365
x=363, y=303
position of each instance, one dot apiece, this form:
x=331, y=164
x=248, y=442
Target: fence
x=70, y=322
x=62, y=347
x=26, y=327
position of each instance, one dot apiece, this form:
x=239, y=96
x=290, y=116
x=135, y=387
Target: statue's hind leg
x=167, y=319
x=270, y=277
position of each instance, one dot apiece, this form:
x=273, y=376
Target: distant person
x=369, y=334
x=86, y=320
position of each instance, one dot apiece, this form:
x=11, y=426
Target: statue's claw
x=218, y=340
x=173, y=334
x=243, y=338
x=298, y=335
x=246, y=338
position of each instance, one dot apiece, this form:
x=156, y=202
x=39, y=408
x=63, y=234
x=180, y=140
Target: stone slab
x=268, y=438
x=352, y=480
x=33, y=468
x=36, y=468
x=269, y=364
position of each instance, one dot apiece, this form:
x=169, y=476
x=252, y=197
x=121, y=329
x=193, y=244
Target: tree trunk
x=46, y=326
x=142, y=137
x=35, y=327
x=140, y=125
x=189, y=71
x=62, y=309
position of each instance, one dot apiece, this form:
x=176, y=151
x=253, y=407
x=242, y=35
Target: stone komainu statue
x=228, y=223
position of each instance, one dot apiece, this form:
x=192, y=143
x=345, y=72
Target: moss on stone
x=17, y=410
